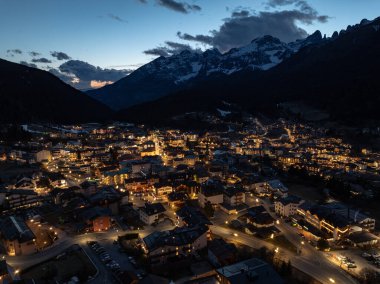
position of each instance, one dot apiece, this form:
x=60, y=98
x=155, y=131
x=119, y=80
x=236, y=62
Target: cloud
x=302, y=5
x=98, y=84
x=68, y=78
x=170, y=48
x=13, y=52
x=87, y=72
x=83, y=75
x=28, y=64
x=116, y=18
x=181, y=7
x=158, y=51
x=41, y=60
x=60, y=55
x=34, y=53
x=241, y=28
x=128, y=66
x=240, y=13
x=205, y=39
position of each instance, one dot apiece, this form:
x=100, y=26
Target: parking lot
x=114, y=259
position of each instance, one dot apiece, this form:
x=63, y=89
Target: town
x=280, y=202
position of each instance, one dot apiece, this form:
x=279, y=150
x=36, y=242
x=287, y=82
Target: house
x=177, y=199
x=42, y=155
x=141, y=166
x=191, y=217
x=151, y=212
x=210, y=194
x=287, y=206
x=355, y=217
x=233, y=196
x=180, y=242
x=140, y=183
x=107, y=197
x=17, y=237
x=261, y=189
x=259, y=217
x=221, y=253
x=162, y=188
x=233, y=200
x=96, y=218
x=249, y=271
x=24, y=183
x=277, y=188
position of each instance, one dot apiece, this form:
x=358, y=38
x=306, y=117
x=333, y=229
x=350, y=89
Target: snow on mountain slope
x=167, y=74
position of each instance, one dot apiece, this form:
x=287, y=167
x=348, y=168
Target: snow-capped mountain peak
x=167, y=74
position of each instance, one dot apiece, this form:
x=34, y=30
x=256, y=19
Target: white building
x=287, y=206
x=150, y=213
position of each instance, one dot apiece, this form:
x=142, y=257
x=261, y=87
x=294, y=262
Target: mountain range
x=166, y=75
x=338, y=76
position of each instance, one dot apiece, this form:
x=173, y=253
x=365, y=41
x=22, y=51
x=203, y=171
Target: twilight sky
x=72, y=37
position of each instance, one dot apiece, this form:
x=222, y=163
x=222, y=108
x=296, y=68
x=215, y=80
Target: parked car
x=366, y=255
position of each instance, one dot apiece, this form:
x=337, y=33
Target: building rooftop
x=153, y=208
x=250, y=271
x=289, y=199
x=176, y=237
x=14, y=228
x=192, y=216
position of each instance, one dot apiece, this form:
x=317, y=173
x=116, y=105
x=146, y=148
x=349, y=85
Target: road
x=311, y=261
x=25, y=261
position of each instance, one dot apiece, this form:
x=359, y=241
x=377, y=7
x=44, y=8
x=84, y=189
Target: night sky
x=74, y=36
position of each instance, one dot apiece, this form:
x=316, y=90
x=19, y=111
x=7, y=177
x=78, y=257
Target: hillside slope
x=28, y=94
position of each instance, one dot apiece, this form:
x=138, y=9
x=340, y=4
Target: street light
x=331, y=280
